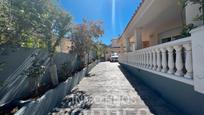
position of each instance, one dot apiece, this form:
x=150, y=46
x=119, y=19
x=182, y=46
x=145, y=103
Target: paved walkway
x=113, y=94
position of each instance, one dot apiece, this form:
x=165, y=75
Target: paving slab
x=114, y=91
x=113, y=94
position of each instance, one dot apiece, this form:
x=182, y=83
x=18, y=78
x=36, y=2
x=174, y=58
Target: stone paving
x=113, y=94
x=111, y=90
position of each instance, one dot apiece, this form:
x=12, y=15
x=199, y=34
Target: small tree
x=100, y=49
x=55, y=26
x=85, y=35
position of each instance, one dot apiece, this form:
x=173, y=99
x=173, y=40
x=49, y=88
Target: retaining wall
x=53, y=97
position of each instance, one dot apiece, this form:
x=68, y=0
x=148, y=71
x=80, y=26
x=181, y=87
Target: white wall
x=192, y=10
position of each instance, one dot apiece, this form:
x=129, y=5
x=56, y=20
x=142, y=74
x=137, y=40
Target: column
x=138, y=39
x=127, y=45
x=198, y=56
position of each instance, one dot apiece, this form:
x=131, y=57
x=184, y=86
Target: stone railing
x=172, y=59
x=181, y=60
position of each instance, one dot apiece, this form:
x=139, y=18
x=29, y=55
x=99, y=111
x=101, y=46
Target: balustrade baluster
x=136, y=58
x=140, y=59
x=158, y=60
x=154, y=60
x=144, y=62
x=143, y=59
x=164, y=60
x=170, y=60
x=150, y=60
x=188, y=61
x=179, y=61
x=147, y=59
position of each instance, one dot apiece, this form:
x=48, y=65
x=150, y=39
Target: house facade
x=65, y=46
x=160, y=53
x=156, y=22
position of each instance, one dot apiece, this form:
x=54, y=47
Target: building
x=161, y=56
x=114, y=48
x=65, y=46
x=156, y=22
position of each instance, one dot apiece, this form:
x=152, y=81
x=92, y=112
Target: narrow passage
x=113, y=94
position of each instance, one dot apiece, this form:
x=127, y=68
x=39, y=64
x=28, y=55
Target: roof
x=135, y=13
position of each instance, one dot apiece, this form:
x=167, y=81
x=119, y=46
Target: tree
x=21, y=20
x=5, y=23
x=100, y=49
x=27, y=21
x=85, y=35
x=56, y=24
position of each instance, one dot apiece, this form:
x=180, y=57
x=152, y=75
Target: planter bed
x=53, y=97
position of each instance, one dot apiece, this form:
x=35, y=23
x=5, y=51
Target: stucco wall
x=161, y=30
x=180, y=95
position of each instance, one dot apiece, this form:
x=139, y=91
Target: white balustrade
x=165, y=58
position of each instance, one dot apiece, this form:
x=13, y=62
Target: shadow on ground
x=153, y=100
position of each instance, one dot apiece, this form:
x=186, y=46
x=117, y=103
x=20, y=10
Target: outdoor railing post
x=150, y=59
x=147, y=59
x=140, y=59
x=188, y=61
x=154, y=60
x=179, y=61
x=164, y=60
x=170, y=60
x=158, y=60
x=144, y=63
x=143, y=58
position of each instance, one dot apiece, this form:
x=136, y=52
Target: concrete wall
x=11, y=63
x=53, y=97
x=181, y=95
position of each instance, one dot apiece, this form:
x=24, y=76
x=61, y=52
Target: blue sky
x=115, y=14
